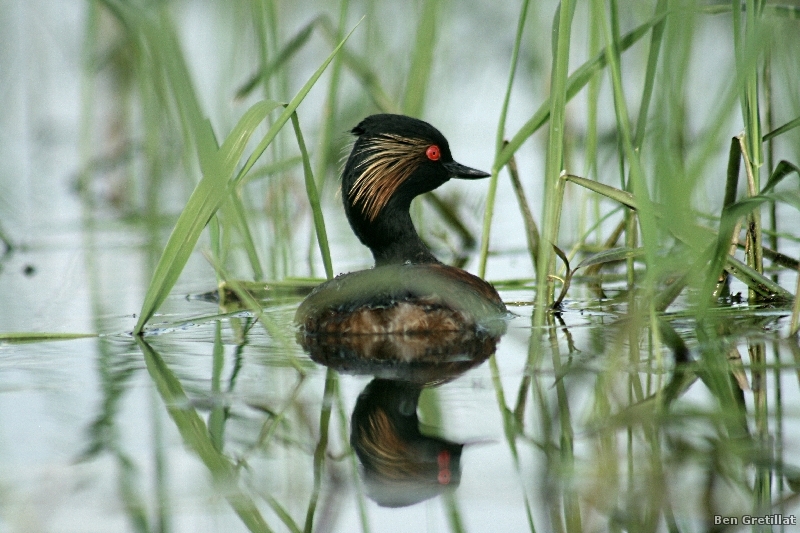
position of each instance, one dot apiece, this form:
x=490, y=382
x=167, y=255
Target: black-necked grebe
x=396, y=158
x=401, y=464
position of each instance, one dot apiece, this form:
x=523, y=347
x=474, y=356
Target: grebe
x=396, y=158
x=401, y=464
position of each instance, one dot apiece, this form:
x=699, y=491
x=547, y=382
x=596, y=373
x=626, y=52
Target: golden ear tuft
x=388, y=161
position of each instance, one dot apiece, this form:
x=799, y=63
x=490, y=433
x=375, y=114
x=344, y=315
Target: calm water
x=93, y=440
x=213, y=417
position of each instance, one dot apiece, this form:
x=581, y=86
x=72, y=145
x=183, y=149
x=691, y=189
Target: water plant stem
x=562, y=27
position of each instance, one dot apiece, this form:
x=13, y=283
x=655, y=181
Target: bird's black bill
x=457, y=170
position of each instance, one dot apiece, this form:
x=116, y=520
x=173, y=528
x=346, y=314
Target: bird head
x=394, y=159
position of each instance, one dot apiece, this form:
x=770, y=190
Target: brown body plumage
x=403, y=299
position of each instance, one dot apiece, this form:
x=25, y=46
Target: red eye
x=433, y=152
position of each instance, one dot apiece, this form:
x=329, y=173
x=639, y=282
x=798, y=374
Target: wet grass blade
x=248, y=243
x=721, y=259
x=650, y=72
x=510, y=428
x=731, y=214
x=31, y=337
x=756, y=281
x=218, y=417
x=248, y=300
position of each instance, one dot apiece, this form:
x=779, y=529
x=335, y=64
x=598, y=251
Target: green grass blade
x=30, y=337
x=289, y=109
x=554, y=162
x=730, y=216
x=283, y=514
x=247, y=294
x=531, y=230
x=284, y=55
x=278, y=167
x=421, y=59
x=577, y=80
x=611, y=256
x=650, y=72
x=212, y=191
x=794, y=325
x=326, y=154
x=454, y=518
x=756, y=281
x=164, y=40
x=501, y=125
x=636, y=182
x=321, y=449
x=163, y=63
x=782, y=169
x=203, y=203
x=218, y=417
x=313, y=198
x=749, y=41
x=367, y=76
x=248, y=243
x=623, y=197
x=510, y=428
x=501, y=131
x=782, y=129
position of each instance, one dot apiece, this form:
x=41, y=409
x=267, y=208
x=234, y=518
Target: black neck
x=391, y=237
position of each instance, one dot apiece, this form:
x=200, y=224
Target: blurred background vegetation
x=177, y=145
x=657, y=92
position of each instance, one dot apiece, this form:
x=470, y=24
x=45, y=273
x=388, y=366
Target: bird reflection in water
x=401, y=464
